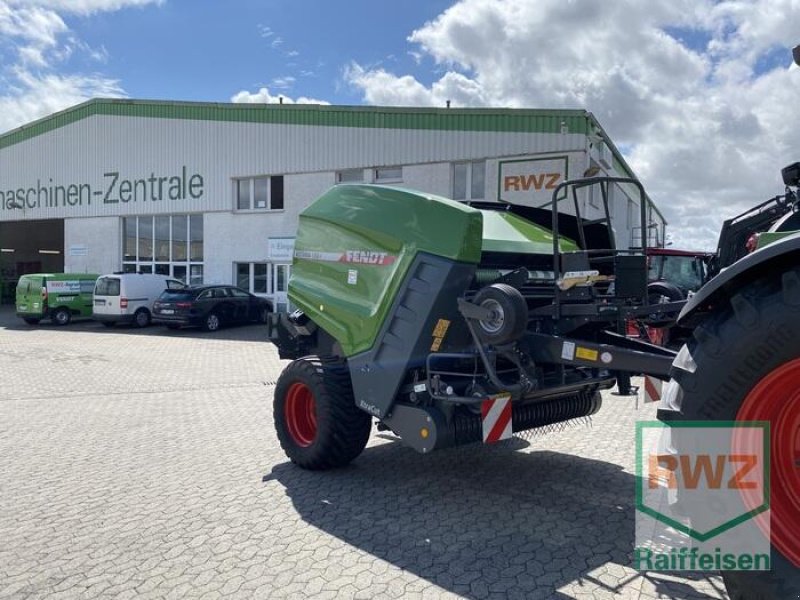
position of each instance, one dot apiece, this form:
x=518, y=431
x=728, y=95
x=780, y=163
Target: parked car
x=210, y=307
x=129, y=297
x=59, y=297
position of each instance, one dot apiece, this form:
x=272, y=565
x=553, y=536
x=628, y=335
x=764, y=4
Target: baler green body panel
x=506, y=232
x=354, y=247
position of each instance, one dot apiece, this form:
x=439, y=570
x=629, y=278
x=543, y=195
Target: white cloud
x=283, y=83
x=381, y=87
x=263, y=96
x=34, y=43
x=673, y=81
x=36, y=29
x=42, y=96
x=83, y=6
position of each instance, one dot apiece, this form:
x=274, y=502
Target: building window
x=469, y=180
x=270, y=280
x=167, y=244
x=593, y=196
x=259, y=193
x=388, y=174
x=350, y=176
x=253, y=277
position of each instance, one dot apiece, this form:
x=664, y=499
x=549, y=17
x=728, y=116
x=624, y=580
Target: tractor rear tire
x=509, y=313
x=317, y=421
x=743, y=363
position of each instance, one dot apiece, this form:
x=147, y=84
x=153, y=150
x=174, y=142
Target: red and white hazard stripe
x=652, y=389
x=496, y=419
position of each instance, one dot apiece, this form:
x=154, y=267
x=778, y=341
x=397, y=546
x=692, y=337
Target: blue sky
x=701, y=95
x=209, y=50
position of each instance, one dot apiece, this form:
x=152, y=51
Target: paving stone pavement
x=143, y=464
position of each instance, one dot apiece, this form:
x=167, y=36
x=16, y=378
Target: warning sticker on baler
x=586, y=353
x=496, y=418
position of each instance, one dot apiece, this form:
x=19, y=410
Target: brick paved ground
x=144, y=465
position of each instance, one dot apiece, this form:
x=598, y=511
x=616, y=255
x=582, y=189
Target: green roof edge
x=454, y=119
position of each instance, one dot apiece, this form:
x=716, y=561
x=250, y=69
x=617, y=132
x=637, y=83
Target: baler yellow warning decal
x=586, y=353
x=439, y=332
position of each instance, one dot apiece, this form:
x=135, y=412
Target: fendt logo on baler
x=367, y=257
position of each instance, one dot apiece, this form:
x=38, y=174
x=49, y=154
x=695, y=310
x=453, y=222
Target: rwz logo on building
x=702, y=496
x=530, y=181
x=523, y=183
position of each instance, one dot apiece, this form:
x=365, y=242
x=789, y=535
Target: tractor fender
x=782, y=254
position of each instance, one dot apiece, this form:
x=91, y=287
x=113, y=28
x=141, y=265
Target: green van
x=55, y=296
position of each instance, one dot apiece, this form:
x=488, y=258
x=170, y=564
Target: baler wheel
x=316, y=418
x=509, y=313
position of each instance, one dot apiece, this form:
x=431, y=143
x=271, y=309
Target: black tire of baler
x=343, y=429
x=655, y=290
x=763, y=315
x=664, y=288
x=515, y=311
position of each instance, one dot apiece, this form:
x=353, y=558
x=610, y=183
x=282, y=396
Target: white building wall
x=86, y=153
x=232, y=237
x=99, y=238
x=435, y=178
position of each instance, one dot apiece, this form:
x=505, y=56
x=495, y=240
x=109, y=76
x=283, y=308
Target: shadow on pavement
x=483, y=522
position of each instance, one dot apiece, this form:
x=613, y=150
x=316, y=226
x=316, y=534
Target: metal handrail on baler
x=575, y=184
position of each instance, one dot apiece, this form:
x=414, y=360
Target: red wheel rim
x=301, y=414
x=776, y=398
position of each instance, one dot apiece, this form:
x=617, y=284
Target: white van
x=129, y=297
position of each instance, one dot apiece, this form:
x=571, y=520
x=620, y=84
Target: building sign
x=79, y=250
x=281, y=249
x=113, y=187
x=530, y=182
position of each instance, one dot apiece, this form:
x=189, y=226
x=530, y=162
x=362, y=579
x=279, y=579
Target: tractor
x=744, y=326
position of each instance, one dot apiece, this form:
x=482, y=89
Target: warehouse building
x=211, y=192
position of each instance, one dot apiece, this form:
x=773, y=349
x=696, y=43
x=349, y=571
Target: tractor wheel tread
x=790, y=284
x=716, y=370
x=746, y=314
